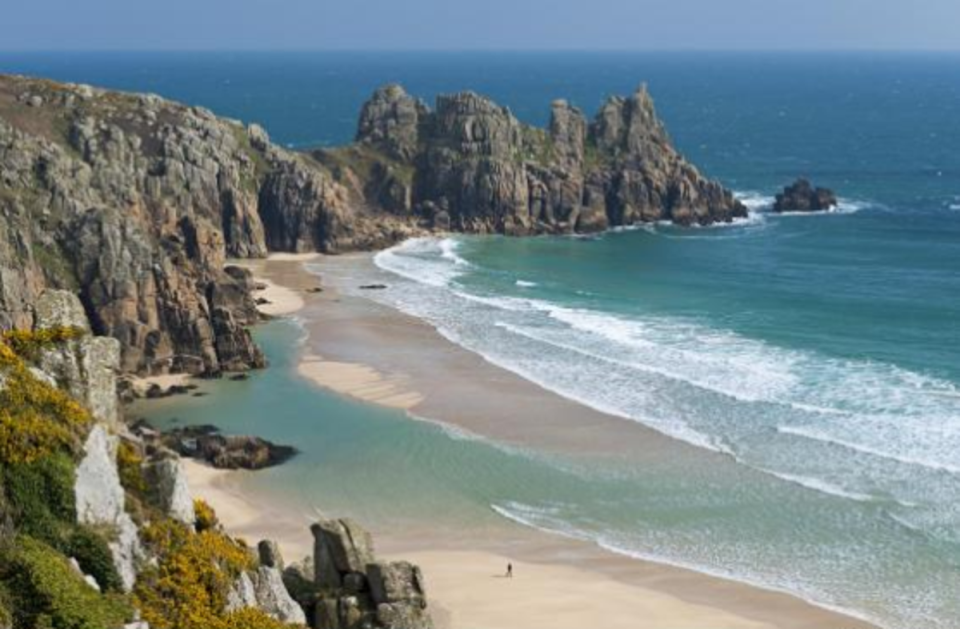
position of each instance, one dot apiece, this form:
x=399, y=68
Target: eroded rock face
x=802, y=196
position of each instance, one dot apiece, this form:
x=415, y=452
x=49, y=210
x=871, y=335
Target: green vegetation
x=89, y=547
x=45, y=591
x=49, y=592
x=40, y=497
x=251, y=181
x=538, y=147
x=363, y=161
x=41, y=429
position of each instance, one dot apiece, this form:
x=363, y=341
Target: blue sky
x=479, y=24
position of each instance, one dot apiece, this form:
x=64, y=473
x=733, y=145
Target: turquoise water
x=817, y=354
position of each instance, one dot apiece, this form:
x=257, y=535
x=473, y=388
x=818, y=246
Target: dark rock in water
x=373, y=286
x=206, y=443
x=200, y=394
x=315, y=289
x=155, y=391
x=239, y=377
x=803, y=197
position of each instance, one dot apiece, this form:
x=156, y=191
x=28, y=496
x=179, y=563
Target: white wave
x=817, y=484
x=448, y=250
x=954, y=206
x=755, y=201
x=666, y=372
x=426, y=260
x=823, y=436
x=525, y=284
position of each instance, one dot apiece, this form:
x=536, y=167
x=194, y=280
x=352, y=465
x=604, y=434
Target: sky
x=479, y=24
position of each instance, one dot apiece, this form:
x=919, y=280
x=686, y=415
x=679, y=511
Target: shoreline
x=366, y=356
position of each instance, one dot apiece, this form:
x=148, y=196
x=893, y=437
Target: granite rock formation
x=471, y=166
x=352, y=590
x=802, y=196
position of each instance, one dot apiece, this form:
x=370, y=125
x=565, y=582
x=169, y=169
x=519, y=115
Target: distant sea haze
x=819, y=355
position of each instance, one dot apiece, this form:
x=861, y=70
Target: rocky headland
x=136, y=203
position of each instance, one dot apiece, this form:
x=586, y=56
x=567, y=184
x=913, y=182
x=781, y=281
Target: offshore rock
x=801, y=196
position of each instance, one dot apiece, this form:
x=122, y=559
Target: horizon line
x=469, y=50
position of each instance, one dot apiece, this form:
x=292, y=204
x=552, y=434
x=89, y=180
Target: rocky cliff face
x=136, y=203
x=470, y=165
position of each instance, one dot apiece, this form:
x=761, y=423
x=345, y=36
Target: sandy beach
x=377, y=355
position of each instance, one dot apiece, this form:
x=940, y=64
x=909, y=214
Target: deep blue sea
x=821, y=354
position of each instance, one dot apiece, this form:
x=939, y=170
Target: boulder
x=802, y=196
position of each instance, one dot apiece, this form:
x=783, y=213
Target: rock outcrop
x=801, y=196
x=353, y=590
x=471, y=166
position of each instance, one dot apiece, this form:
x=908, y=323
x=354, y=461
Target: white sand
x=140, y=385
x=361, y=382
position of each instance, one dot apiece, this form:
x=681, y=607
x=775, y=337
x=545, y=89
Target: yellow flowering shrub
x=36, y=418
x=29, y=343
x=251, y=618
x=188, y=587
x=206, y=517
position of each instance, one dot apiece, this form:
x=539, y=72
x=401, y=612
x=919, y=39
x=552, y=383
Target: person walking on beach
x=509, y=570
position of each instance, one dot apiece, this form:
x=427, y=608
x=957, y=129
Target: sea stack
x=802, y=196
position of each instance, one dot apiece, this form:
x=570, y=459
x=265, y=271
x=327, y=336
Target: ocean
x=818, y=355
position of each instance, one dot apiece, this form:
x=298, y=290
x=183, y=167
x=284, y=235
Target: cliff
x=137, y=203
